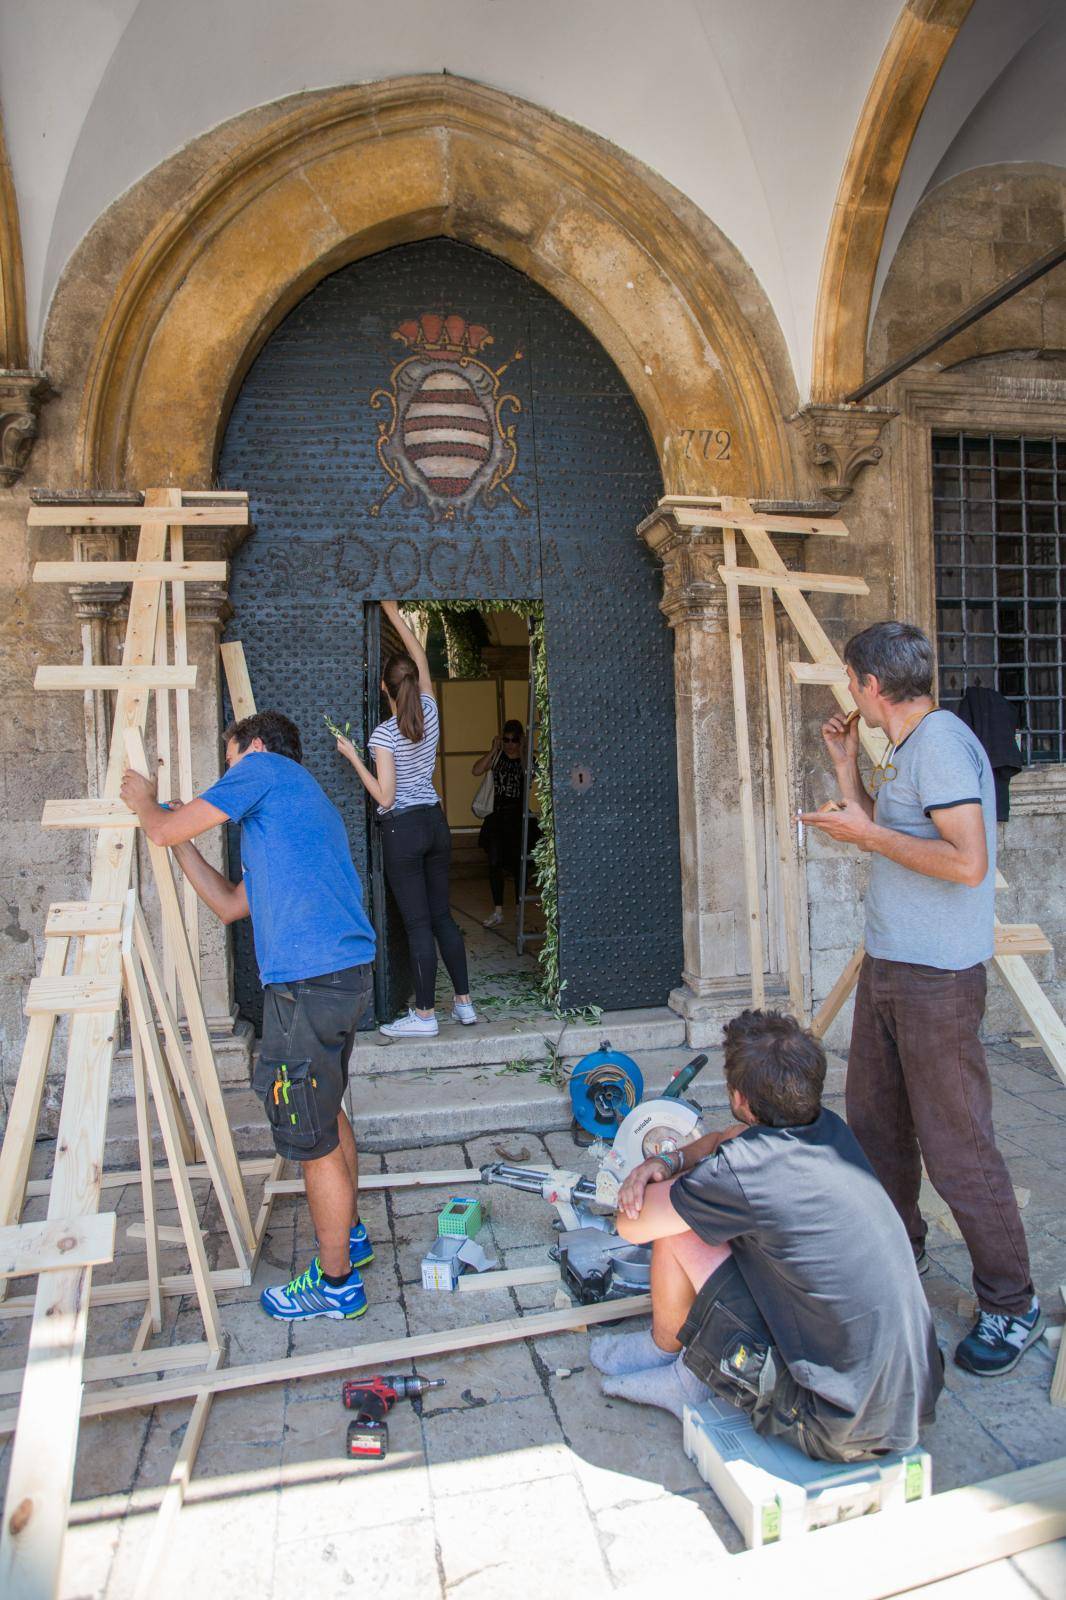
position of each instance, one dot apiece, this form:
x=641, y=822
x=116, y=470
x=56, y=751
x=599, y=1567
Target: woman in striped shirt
x=416, y=842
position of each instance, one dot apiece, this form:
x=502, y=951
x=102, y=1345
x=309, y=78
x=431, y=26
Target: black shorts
x=729, y=1347
x=309, y=1028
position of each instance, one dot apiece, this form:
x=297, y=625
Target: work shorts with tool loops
x=728, y=1346
x=309, y=1028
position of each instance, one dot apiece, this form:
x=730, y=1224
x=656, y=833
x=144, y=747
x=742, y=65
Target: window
x=998, y=504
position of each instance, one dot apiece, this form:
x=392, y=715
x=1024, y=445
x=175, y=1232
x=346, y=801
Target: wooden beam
x=77, y=677
x=106, y=813
x=130, y=571
x=819, y=582
x=747, y=801
x=31, y=1247
x=232, y=515
x=66, y=917
x=691, y=512
x=1021, y=939
x=190, y=899
x=61, y=995
x=376, y=1356
x=42, y=1458
x=838, y=995
x=105, y=1369
x=133, y=1289
x=455, y=1177
x=173, y=1498
x=787, y=866
x=817, y=672
x=471, y=1282
x=238, y=681
x=24, y=1113
x=1036, y=1008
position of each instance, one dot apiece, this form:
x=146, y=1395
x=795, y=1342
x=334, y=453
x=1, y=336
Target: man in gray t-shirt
x=918, y=1085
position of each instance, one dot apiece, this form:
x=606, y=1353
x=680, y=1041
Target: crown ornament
x=444, y=338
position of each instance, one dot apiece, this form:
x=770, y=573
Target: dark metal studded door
x=429, y=424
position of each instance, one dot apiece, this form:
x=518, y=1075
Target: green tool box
x=460, y=1216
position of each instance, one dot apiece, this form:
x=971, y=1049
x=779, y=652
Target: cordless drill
x=372, y=1399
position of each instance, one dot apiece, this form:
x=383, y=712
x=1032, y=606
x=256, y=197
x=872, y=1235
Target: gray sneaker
x=997, y=1341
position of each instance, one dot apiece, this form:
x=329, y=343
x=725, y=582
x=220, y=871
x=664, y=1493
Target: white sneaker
x=495, y=920
x=463, y=1011
x=410, y=1027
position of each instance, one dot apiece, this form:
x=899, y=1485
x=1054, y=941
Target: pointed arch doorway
x=430, y=424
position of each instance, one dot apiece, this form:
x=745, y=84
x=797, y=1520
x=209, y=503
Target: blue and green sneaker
x=310, y=1295
x=360, y=1250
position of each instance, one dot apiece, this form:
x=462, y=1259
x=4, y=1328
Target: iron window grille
x=999, y=529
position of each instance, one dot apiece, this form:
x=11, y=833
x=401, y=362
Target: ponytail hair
x=401, y=680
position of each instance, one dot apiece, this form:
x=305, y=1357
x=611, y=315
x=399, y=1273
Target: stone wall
x=1004, y=373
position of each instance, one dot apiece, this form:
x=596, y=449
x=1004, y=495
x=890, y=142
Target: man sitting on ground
x=782, y=1276
x=315, y=946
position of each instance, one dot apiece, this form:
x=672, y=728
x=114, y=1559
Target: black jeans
x=417, y=849
x=501, y=840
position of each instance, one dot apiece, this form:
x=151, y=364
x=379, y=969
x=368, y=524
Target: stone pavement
x=518, y=1477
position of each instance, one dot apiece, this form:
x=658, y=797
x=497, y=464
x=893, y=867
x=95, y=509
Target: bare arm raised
x=411, y=644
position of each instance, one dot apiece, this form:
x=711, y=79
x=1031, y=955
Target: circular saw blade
x=604, y=1086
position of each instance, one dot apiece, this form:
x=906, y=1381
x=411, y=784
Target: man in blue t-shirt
x=315, y=948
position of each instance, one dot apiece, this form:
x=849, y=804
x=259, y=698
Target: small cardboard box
x=441, y=1265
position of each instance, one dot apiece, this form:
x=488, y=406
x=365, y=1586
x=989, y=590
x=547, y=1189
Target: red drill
x=372, y=1399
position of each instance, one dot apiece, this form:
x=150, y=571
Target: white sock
x=617, y=1353
x=671, y=1388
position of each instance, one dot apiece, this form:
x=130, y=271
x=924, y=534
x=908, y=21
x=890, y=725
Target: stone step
x=407, y=1109
x=494, y=1042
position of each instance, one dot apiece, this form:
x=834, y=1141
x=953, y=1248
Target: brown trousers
x=918, y=1088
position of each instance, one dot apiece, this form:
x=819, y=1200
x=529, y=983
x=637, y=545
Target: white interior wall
x=748, y=108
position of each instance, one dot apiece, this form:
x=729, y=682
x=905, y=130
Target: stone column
x=715, y=980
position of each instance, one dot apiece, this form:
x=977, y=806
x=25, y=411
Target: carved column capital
x=841, y=440
x=208, y=603
x=22, y=394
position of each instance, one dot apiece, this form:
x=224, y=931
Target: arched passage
x=350, y=172
x=551, y=469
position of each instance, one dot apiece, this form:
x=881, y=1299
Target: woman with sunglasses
x=416, y=842
x=501, y=831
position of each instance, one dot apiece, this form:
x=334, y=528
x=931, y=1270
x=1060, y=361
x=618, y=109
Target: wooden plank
x=42, y=1457
x=1036, y=1008
x=120, y=1294
x=747, y=802
x=130, y=571
x=219, y=1172
x=105, y=1369
x=454, y=1177
x=157, y=516
x=60, y=995
x=77, y=677
x=144, y=1148
x=17, y=1148
x=107, y=813
x=165, y=1235
x=382, y=1354
x=819, y=582
x=818, y=672
x=692, y=513
x=31, y=1247
x=838, y=994
x=1058, y=1377
x=787, y=866
x=164, y=775
x=190, y=899
x=211, y=497
x=1021, y=938
x=238, y=681
x=141, y=1019
x=119, y=1177
x=205, y=1075
x=173, y=1498
x=470, y=1282
x=66, y=917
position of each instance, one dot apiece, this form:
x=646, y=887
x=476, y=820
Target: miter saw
x=605, y=1093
